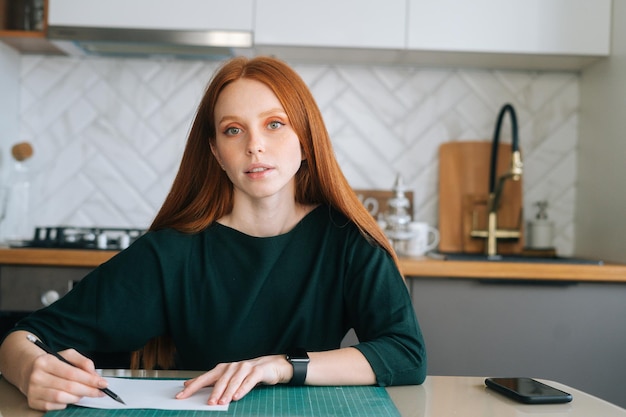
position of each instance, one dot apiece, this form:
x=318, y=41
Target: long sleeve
x=225, y=296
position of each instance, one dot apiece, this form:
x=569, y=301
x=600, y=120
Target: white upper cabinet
x=550, y=34
x=331, y=23
x=557, y=27
x=153, y=14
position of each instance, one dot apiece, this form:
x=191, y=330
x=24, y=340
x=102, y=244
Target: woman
x=260, y=254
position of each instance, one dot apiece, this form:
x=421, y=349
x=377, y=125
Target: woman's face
x=255, y=143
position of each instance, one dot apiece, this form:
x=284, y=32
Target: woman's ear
x=215, y=154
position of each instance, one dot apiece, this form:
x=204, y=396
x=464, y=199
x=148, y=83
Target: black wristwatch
x=299, y=359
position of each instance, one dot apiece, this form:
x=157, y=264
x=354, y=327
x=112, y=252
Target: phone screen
x=528, y=390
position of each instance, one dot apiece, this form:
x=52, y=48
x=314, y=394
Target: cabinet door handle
x=49, y=297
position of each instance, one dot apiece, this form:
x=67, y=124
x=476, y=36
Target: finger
x=192, y=380
x=191, y=386
x=233, y=382
x=78, y=360
x=83, y=369
x=43, y=405
x=91, y=382
x=45, y=398
x=50, y=372
x=48, y=392
x=246, y=386
x=228, y=378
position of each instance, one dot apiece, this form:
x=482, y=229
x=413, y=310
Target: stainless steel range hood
x=127, y=42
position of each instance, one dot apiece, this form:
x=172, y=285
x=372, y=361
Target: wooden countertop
x=54, y=257
x=410, y=267
x=426, y=267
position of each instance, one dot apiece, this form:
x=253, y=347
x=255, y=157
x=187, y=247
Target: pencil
x=46, y=349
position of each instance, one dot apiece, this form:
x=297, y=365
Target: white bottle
x=16, y=227
x=540, y=230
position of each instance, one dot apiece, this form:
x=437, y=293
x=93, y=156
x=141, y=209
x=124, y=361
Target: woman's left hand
x=232, y=381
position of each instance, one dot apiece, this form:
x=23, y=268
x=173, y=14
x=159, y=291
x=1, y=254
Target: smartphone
x=528, y=390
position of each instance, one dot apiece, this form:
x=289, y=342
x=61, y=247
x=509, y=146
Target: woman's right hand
x=48, y=383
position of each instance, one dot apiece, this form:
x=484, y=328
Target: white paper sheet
x=151, y=393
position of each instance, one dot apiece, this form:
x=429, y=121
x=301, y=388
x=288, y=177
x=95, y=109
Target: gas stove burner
x=103, y=238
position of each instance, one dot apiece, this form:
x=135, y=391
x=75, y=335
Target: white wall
x=108, y=133
x=9, y=104
x=601, y=202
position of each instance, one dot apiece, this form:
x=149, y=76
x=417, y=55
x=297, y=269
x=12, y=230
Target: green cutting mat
x=276, y=401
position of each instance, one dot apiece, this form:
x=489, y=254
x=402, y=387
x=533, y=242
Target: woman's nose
x=255, y=144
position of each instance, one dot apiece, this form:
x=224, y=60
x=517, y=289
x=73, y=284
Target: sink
x=515, y=258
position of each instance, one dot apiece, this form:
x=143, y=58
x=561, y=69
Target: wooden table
x=438, y=396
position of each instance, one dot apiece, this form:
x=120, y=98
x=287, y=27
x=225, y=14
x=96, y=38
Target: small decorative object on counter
x=15, y=222
x=398, y=218
x=424, y=238
x=540, y=230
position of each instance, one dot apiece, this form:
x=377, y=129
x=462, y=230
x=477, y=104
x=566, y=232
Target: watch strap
x=299, y=359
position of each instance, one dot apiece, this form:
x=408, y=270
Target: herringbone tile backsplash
x=108, y=133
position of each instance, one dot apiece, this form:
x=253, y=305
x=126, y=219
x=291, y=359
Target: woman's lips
x=258, y=171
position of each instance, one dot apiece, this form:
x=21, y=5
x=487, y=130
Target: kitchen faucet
x=492, y=234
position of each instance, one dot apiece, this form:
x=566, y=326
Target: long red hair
x=202, y=193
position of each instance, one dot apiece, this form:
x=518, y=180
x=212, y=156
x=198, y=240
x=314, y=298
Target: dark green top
x=226, y=296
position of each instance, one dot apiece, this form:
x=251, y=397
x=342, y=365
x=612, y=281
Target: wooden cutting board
x=463, y=194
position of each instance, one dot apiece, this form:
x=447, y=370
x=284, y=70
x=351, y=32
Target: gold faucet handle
x=516, y=165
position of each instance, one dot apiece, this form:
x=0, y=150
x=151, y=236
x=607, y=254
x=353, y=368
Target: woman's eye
x=232, y=131
x=275, y=125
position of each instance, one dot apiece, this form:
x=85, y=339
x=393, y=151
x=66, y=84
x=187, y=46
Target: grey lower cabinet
x=24, y=289
x=29, y=288
x=574, y=333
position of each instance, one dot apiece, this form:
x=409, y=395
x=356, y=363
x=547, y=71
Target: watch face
x=298, y=355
